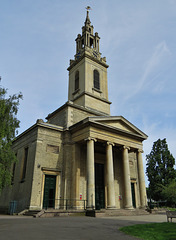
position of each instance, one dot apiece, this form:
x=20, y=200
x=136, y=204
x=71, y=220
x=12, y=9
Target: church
x=81, y=157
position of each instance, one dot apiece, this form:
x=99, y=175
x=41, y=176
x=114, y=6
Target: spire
x=88, y=22
x=88, y=42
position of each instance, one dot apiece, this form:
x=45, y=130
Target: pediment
x=119, y=123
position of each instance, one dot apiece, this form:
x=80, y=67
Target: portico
x=96, y=132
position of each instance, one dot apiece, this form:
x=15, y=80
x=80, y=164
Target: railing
x=66, y=204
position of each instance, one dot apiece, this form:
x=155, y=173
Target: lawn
x=152, y=231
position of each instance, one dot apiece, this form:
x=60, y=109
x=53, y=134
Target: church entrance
x=99, y=186
x=49, y=191
x=133, y=195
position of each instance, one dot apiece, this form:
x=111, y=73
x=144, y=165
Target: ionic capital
x=90, y=138
x=110, y=143
x=126, y=147
x=140, y=151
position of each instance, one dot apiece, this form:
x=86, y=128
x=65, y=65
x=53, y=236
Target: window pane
x=24, y=163
x=76, y=80
x=96, y=79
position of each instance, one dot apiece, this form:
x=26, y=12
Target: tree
x=8, y=130
x=169, y=193
x=160, y=169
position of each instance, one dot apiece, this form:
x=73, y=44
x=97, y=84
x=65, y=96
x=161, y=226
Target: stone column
x=142, y=188
x=90, y=174
x=127, y=181
x=75, y=175
x=110, y=176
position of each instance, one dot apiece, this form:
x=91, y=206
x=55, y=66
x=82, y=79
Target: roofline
x=39, y=123
x=87, y=122
x=71, y=104
x=101, y=118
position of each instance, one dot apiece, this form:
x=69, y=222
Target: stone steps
x=31, y=213
x=60, y=213
x=90, y=213
x=116, y=212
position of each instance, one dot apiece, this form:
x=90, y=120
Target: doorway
x=99, y=186
x=133, y=195
x=49, y=191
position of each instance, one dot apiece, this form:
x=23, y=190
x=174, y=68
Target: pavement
x=66, y=228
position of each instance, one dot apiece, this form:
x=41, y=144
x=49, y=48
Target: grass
x=167, y=208
x=172, y=209
x=152, y=231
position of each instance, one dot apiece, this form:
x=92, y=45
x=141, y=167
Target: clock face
x=95, y=54
x=77, y=55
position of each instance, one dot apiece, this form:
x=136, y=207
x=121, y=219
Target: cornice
x=71, y=104
x=87, y=56
x=87, y=122
x=91, y=95
x=39, y=124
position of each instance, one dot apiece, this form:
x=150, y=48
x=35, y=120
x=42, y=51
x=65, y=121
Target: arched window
x=76, y=80
x=96, y=80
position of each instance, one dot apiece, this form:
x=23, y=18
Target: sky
x=138, y=39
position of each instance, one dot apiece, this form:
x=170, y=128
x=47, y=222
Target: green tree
x=169, y=193
x=8, y=130
x=160, y=169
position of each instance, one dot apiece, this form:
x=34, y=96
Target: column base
x=33, y=208
x=129, y=208
x=111, y=207
x=90, y=208
x=142, y=207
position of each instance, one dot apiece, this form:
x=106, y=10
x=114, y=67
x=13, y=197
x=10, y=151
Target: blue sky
x=138, y=38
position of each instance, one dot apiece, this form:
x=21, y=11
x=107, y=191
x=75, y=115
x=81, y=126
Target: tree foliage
x=8, y=130
x=169, y=193
x=160, y=169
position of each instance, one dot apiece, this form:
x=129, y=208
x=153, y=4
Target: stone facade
x=82, y=157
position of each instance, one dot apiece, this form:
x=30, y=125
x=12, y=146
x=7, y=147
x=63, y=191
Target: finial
x=88, y=8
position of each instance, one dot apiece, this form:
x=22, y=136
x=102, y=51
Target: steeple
x=88, y=42
x=88, y=71
x=88, y=22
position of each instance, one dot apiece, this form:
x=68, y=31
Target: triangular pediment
x=119, y=123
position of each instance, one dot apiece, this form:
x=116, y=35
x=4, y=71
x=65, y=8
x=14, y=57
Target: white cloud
x=152, y=70
x=160, y=51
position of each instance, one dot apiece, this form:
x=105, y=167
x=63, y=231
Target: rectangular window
x=76, y=80
x=96, y=80
x=24, y=164
x=13, y=173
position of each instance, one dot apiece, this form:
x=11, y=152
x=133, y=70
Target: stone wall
x=21, y=189
x=60, y=118
x=48, y=160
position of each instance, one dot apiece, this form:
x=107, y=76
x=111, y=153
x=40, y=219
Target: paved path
x=66, y=228
x=145, y=218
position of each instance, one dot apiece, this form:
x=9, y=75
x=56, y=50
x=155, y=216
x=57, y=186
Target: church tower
x=81, y=158
x=88, y=72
